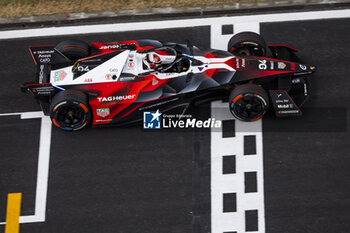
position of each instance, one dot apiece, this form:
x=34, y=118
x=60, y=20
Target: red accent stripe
x=83, y=106
x=209, y=55
x=237, y=98
x=54, y=121
x=255, y=119
x=273, y=72
x=31, y=53
x=85, y=58
x=37, y=84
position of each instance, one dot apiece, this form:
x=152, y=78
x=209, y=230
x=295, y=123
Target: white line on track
x=25, y=115
x=234, y=183
x=166, y=24
x=43, y=166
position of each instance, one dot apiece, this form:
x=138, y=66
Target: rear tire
x=74, y=49
x=70, y=111
x=248, y=102
x=247, y=43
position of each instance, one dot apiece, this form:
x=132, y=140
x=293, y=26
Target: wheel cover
x=249, y=107
x=70, y=116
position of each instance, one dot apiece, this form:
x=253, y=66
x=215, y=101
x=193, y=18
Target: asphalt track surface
x=130, y=180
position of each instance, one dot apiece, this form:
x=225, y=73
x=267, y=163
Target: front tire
x=70, y=111
x=247, y=43
x=248, y=102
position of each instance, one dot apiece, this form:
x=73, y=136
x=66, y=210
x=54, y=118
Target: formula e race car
x=79, y=84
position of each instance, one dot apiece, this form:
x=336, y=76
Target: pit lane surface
x=129, y=180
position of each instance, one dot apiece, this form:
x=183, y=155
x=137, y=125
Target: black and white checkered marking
x=237, y=192
x=237, y=186
x=236, y=176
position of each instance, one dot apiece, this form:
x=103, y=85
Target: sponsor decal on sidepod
x=102, y=112
x=116, y=98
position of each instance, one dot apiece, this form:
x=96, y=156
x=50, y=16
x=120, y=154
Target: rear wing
x=44, y=57
x=47, y=54
x=41, y=86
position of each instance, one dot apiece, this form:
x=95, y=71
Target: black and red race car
x=80, y=84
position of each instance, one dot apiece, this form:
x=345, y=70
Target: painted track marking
x=43, y=166
x=233, y=184
x=13, y=211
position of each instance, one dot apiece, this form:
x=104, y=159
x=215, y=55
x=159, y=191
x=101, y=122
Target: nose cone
x=313, y=68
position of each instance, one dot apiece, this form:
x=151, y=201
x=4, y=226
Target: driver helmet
x=152, y=60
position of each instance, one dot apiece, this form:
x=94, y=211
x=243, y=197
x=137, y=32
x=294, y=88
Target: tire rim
x=249, y=107
x=70, y=116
